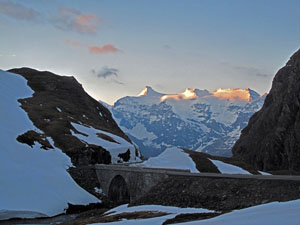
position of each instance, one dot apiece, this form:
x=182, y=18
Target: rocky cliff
x=271, y=141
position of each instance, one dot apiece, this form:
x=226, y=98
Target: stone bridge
x=125, y=183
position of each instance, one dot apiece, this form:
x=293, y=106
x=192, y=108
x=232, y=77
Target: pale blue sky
x=115, y=47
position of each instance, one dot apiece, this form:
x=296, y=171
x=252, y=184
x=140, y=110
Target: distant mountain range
x=196, y=119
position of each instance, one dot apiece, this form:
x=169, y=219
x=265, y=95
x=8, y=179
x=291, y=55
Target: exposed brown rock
x=32, y=136
x=125, y=156
x=271, y=141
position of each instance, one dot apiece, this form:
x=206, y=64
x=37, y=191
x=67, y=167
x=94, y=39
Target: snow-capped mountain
x=196, y=119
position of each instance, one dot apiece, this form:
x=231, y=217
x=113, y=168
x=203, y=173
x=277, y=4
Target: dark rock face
x=125, y=156
x=57, y=101
x=271, y=141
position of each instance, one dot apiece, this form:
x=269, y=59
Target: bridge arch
x=118, y=190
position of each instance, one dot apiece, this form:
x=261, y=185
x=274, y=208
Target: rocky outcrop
x=271, y=141
x=57, y=102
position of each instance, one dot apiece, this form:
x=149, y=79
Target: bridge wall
x=138, y=180
x=205, y=190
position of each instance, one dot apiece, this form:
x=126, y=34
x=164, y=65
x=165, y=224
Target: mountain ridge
x=194, y=119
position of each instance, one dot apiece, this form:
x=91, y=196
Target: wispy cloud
x=247, y=70
x=73, y=43
x=251, y=71
x=66, y=18
x=108, y=73
x=18, y=11
x=70, y=19
x=108, y=48
x=167, y=47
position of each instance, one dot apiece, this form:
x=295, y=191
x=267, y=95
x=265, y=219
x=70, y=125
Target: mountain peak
x=234, y=94
x=148, y=91
x=189, y=93
x=253, y=94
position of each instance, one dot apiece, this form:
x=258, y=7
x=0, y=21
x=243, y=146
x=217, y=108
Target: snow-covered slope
x=172, y=158
x=195, y=119
x=226, y=168
x=33, y=181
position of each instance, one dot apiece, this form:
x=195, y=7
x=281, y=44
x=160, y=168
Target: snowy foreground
x=173, y=211
x=275, y=213
x=33, y=182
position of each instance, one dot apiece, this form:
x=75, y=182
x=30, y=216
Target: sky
x=116, y=47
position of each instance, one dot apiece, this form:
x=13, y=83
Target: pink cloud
x=104, y=49
x=87, y=23
x=74, y=20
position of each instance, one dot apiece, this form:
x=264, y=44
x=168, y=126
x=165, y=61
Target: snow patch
x=264, y=173
x=139, y=131
x=98, y=190
x=172, y=158
x=228, y=168
x=114, y=148
x=58, y=109
x=155, y=208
